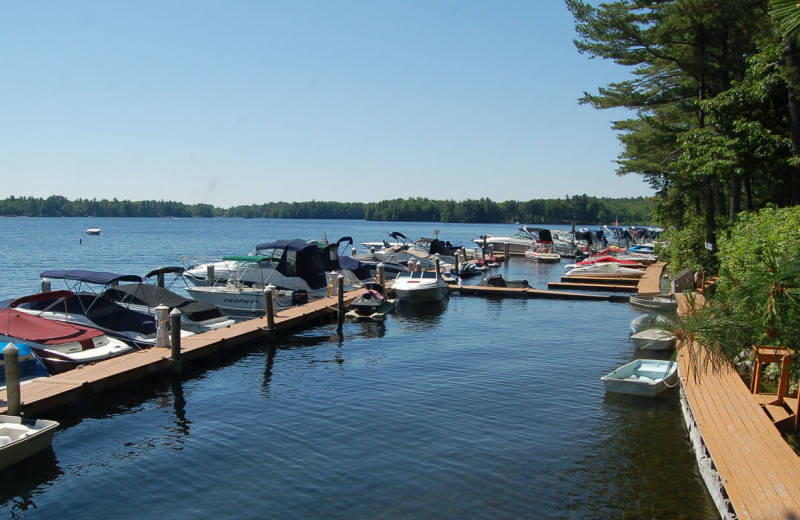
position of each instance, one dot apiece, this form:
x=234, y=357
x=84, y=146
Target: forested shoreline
x=582, y=209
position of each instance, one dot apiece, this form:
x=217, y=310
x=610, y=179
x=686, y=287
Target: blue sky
x=242, y=102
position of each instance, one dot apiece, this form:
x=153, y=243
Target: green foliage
x=687, y=248
x=584, y=210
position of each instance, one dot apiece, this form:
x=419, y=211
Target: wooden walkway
x=42, y=394
x=758, y=473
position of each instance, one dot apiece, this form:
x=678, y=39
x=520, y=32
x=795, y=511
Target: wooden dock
x=750, y=470
x=42, y=394
x=648, y=283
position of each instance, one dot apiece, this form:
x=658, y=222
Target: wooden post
x=340, y=297
x=382, y=276
x=175, y=340
x=11, y=357
x=210, y=274
x=484, y=244
x=269, y=305
x=438, y=264
x=162, y=331
x=457, y=259
x=506, y=251
x=46, y=285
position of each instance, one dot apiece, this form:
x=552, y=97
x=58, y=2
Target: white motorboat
x=604, y=269
x=519, y=242
x=30, y=365
x=653, y=339
x=542, y=255
x=93, y=231
x=245, y=301
x=420, y=285
x=21, y=437
x=656, y=302
x=645, y=321
x=643, y=377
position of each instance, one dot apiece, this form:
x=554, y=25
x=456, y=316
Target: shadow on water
x=637, y=465
x=20, y=483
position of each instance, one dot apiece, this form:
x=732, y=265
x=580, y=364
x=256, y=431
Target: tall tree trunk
x=789, y=54
x=736, y=194
x=719, y=194
x=748, y=195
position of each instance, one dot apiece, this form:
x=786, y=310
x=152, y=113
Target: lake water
x=478, y=408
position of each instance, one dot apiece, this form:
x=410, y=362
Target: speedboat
x=22, y=437
x=420, y=285
x=245, y=301
x=90, y=306
x=61, y=345
x=93, y=231
x=196, y=316
x=643, y=377
x=604, y=269
x=30, y=366
x=372, y=303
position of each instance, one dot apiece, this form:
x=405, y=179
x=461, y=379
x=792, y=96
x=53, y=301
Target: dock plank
x=759, y=470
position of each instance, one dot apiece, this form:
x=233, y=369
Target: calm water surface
x=478, y=408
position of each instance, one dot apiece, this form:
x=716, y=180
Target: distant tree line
x=582, y=209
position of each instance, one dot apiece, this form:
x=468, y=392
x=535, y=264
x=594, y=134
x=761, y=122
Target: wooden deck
x=42, y=394
x=650, y=282
x=758, y=472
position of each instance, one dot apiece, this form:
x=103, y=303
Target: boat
x=372, y=303
x=61, y=345
x=656, y=302
x=643, y=377
x=542, y=255
x=196, y=316
x=30, y=366
x=604, y=269
x=645, y=321
x=420, y=285
x=93, y=231
x=22, y=437
x=653, y=339
x=519, y=242
x=90, y=306
x=245, y=301
x=287, y=264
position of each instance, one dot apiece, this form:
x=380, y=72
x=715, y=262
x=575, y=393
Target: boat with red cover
x=60, y=345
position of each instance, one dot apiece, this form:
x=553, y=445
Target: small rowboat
x=644, y=377
x=20, y=438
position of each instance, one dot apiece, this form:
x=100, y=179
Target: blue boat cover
x=97, y=277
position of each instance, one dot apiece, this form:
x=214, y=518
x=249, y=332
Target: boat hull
x=420, y=286
x=21, y=438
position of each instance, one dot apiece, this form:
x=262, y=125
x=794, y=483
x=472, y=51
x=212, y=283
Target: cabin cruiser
x=287, y=264
x=518, y=243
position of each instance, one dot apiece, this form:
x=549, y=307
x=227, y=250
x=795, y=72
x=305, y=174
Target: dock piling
x=162, y=331
x=175, y=340
x=46, y=285
x=11, y=358
x=505, y=251
x=210, y=274
x=382, y=276
x=340, y=297
x=270, y=310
